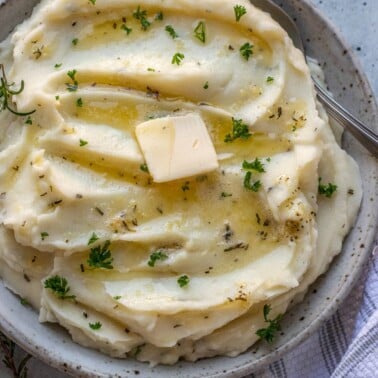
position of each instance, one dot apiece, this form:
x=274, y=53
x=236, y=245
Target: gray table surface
x=358, y=22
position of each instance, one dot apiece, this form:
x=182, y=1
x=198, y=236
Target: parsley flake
x=158, y=255
x=177, y=58
x=256, y=165
x=95, y=326
x=59, y=286
x=169, y=29
x=326, y=190
x=79, y=102
x=101, y=257
x=83, y=142
x=141, y=15
x=144, y=168
x=269, y=332
x=206, y=86
x=240, y=11
x=126, y=29
x=44, y=235
x=58, y=65
x=239, y=130
x=183, y=281
x=75, y=41
x=93, y=239
x=269, y=79
x=200, y=32
x=29, y=121
x=247, y=183
x=92, y=1
x=246, y=50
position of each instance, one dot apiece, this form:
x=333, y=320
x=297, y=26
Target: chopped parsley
x=200, y=32
x=240, y=11
x=256, y=165
x=159, y=16
x=225, y=194
x=247, y=183
x=59, y=286
x=144, y=168
x=126, y=29
x=44, y=235
x=79, y=102
x=326, y=190
x=72, y=75
x=206, y=86
x=185, y=186
x=177, y=58
x=269, y=332
x=158, y=255
x=246, y=50
x=6, y=93
x=101, y=257
x=71, y=87
x=83, y=142
x=183, y=281
x=95, y=326
x=29, y=121
x=169, y=29
x=93, y=239
x=141, y=15
x=117, y=297
x=75, y=41
x=269, y=79
x=93, y=1
x=239, y=130
x=58, y=65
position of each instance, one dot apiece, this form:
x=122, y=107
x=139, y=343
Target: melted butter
x=258, y=145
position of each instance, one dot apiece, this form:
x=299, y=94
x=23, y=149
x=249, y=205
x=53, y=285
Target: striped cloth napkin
x=346, y=346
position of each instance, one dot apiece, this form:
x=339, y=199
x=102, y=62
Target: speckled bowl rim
x=53, y=357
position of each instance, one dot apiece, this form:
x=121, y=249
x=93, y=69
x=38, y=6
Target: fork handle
x=364, y=135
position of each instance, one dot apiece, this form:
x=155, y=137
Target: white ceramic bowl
x=54, y=346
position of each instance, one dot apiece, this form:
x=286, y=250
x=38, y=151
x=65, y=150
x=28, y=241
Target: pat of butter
x=176, y=147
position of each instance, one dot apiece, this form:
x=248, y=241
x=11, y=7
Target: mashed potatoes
x=166, y=187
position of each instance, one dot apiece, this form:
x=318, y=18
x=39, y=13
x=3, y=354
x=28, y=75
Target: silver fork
x=363, y=134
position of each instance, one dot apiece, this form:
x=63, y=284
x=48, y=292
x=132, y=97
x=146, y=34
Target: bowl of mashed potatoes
x=170, y=188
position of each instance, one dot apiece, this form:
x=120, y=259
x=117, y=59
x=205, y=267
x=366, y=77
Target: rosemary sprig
x=6, y=94
x=7, y=347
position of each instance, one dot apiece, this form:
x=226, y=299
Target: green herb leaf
x=144, y=168
x=158, y=255
x=269, y=332
x=95, y=326
x=183, y=281
x=59, y=286
x=75, y=41
x=58, y=65
x=6, y=94
x=239, y=12
x=326, y=190
x=200, y=32
x=239, y=130
x=159, y=16
x=29, y=121
x=117, y=297
x=225, y=195
x=255, y=165
x=206, y=86
x=83, y=142
x=246, y=50
x=44, y=235
x=93, y=1
x=269, y=79
x=101, y=257
x=177, y=58
x=93, y=239
x=79, y=102
x=169, y=29
x=141, y=15
x=126, y=29
x=247, y=183
x=72, y=75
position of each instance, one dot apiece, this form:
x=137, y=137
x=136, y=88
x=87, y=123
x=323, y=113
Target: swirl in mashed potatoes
x=168, y=177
